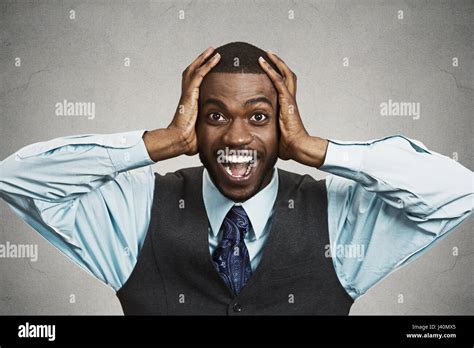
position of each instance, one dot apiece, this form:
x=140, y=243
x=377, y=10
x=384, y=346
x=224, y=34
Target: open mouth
x=238, y=167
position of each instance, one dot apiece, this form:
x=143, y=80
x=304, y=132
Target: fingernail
x=217, y=55
x=261, y=59
x=270, y=51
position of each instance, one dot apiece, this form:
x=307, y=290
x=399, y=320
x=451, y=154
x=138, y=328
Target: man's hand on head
x=295, y=142
x=180, y=137
x=184, y=120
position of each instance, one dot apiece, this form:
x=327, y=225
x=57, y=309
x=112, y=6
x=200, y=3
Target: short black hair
x=240, y=57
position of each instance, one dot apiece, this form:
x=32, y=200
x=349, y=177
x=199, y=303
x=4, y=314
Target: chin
x=237, y=189
x=238, y=195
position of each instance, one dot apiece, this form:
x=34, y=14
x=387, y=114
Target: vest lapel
x=271, y=245
x=273, y=242
x=197, y=217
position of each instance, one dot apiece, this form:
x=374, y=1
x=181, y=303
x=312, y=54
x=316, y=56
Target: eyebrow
x=261, y=99
x=251, y=101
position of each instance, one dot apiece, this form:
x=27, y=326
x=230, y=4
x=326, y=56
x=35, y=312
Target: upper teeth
x=238, y=159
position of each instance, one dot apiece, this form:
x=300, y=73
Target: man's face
x=237, y=132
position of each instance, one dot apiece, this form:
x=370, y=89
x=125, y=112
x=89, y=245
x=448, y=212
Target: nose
x=237, y=134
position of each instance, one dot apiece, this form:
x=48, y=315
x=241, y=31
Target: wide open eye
x=216, y=117
x=259, y=117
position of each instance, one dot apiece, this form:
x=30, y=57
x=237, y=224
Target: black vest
x=174, y=274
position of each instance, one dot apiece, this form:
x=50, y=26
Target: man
x=237, y=236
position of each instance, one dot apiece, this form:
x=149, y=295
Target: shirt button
x=237, y=307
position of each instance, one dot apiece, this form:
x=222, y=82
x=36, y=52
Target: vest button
x=237, y=307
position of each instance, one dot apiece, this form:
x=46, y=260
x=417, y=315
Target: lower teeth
x=247, y=171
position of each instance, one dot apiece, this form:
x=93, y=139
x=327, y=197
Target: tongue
x=238, y=169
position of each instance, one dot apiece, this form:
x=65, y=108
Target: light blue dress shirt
x=389, y=200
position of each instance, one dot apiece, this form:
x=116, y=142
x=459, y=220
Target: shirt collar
x=258, y=207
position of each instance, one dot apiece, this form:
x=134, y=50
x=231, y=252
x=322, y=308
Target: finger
x=199, y=74
x=289, y=76
x=200, y=59
x=276, y=78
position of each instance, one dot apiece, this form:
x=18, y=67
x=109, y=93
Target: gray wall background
x=83, y=60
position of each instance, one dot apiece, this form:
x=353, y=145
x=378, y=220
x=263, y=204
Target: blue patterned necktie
x=231, y=256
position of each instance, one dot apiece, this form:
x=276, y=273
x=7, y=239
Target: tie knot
x=236, y=223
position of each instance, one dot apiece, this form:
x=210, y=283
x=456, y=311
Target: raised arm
x=86, y=194
x=392, y=198
x=74, y=192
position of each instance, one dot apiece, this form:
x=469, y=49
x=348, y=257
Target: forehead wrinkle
x=241, y=80
x=234, y=106
x=234, y=90
x=239, y=93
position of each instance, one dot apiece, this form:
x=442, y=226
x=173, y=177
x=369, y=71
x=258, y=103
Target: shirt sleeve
x=89, y=195
x=389, y=200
